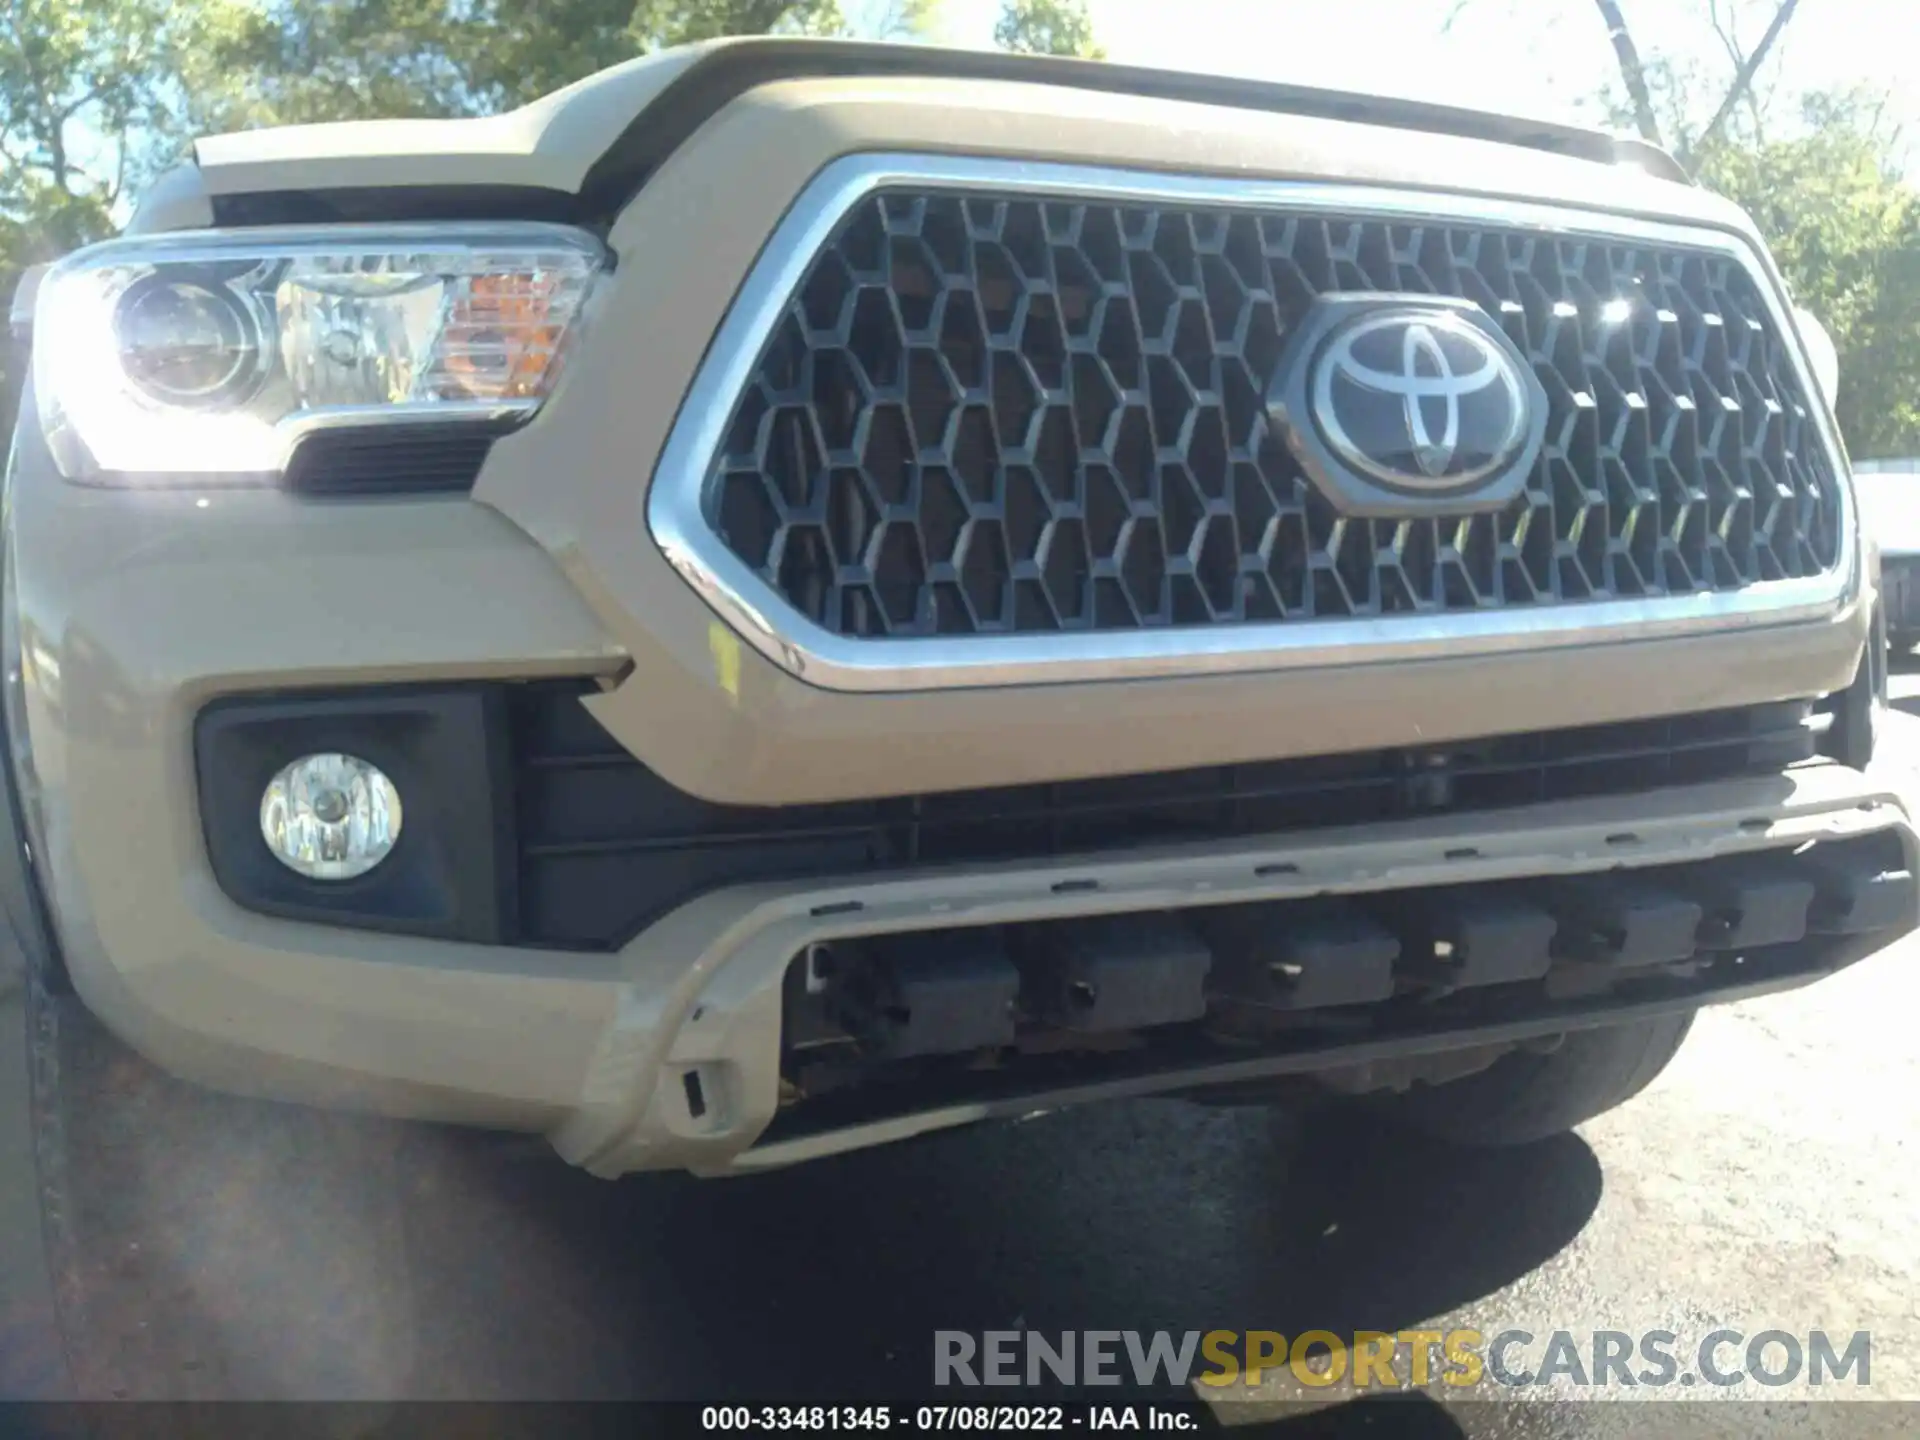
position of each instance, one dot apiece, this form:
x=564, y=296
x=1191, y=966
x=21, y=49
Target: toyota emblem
x=1402, y=404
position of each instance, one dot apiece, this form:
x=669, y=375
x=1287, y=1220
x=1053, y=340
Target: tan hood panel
x=550, y=144
x=604, y=135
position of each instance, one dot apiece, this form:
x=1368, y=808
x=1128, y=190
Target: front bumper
x=592, y=1049
x=139, y=609
x=596, y=1051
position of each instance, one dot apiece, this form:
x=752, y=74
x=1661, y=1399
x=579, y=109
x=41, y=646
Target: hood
x=582, y=151
x=550, y=144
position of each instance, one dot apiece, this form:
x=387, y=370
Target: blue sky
x=1533, y=57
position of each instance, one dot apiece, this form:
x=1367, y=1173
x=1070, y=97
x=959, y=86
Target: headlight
x=210, y=354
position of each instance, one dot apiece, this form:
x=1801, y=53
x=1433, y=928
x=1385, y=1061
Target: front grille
x=604, y=845
x=1010, y=415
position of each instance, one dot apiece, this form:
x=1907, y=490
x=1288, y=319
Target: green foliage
x=1824, y=186
x=96, y=95
x=90, y=94
x=1047, y=27
x=349, y=59
x=90, y=100
x=1845, y=230
x=293, y=62
x=674, y=22
x=522, y=49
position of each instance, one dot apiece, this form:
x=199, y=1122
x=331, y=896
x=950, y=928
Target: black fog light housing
x=274, y=771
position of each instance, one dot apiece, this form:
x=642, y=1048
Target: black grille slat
x=399, y=459
x=605, y=845
x=994, y=415
x=654, y=844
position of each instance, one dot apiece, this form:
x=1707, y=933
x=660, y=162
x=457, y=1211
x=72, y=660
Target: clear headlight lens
x=210, y=354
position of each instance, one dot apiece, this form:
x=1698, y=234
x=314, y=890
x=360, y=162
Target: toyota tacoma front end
x=791, y=595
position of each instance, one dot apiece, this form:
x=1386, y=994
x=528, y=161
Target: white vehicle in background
x=1889, y=493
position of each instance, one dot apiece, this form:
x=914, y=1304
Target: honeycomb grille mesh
x=990, y=415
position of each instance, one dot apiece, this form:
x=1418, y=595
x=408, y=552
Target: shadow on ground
x=828, y=1281
x=220, y=1247
x=1902, y=663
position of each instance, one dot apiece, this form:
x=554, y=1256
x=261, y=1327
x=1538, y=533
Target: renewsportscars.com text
x=1373, y=1359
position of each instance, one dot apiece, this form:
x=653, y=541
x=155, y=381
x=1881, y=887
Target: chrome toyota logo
x=1402, y=404
x=1403, y=425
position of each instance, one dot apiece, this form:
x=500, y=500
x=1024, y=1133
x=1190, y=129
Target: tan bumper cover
x=592, y=1049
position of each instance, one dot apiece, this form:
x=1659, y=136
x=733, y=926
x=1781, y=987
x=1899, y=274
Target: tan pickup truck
x=791, y=595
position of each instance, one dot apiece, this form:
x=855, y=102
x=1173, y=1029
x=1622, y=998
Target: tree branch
x=1632, y=73
x=119, y=185
x=1729, y=33
x=900, y=20
x=38, y=91
x=73, y=107
x=1728, y=41
x=1743, y=81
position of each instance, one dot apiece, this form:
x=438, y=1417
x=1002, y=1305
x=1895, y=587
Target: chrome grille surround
x=682, y=508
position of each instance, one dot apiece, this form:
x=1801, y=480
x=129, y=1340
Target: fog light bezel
x=451, y=872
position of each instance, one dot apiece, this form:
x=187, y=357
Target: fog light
x=330, y=817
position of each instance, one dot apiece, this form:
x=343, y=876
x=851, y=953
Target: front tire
x=1527, y=1096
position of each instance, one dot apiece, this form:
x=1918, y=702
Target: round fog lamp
x=330, y=817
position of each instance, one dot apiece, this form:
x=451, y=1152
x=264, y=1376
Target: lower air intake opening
x=886, y=1025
